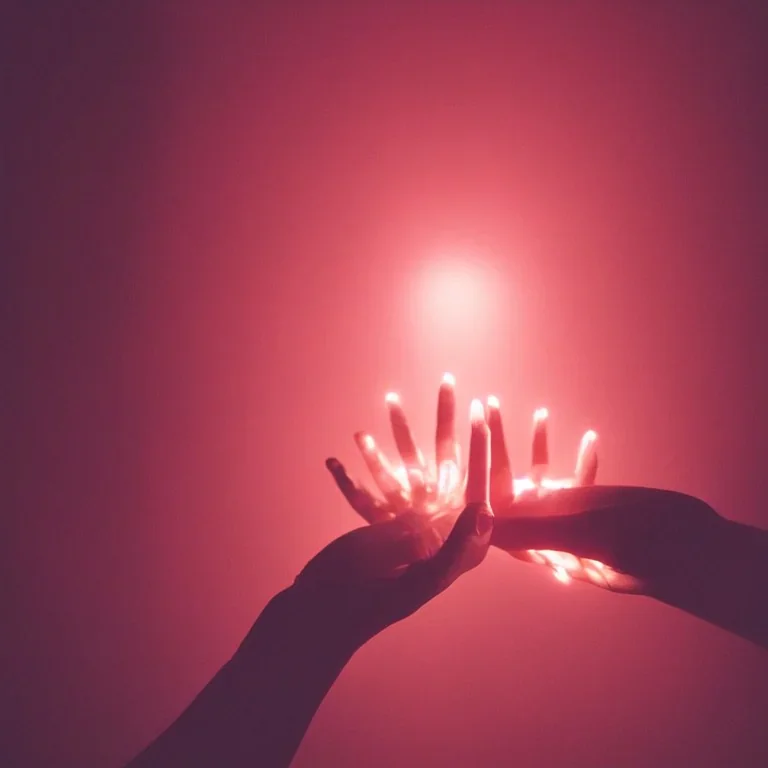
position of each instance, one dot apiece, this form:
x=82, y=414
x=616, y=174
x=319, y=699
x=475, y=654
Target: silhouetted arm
x=258, y=707
x=256, y=710
x=725, y=581
x=659, y=543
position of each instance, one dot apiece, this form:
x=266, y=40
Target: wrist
x=298, y=625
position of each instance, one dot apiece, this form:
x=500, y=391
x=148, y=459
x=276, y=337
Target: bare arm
x=667, y=545
x=258, y=707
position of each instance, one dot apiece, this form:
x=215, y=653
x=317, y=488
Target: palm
x=381, y=573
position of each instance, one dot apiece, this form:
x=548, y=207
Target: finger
x=464, y=549
x=540, y=446
x=586, y=463
x=381, y=471
x=406, y=445
x=361, y=500
x=402, y=432
x=478, y=474
x=446, y=446
x=501, y=472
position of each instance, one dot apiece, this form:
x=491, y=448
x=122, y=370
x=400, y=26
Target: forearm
x=257, y=709
x=727, y=583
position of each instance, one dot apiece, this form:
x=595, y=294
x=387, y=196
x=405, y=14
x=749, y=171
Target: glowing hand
x=436, y=488
x=433, y=488
x=507, y=492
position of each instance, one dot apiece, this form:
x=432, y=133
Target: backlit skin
x=437, y=487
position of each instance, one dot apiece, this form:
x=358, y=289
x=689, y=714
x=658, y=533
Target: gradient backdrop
x=233, y=227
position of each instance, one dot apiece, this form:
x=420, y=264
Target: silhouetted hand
x=256, y=710
x=507, y=492
x=431, y=488
x=663, y=544
x=379, y=574
x=644, y=535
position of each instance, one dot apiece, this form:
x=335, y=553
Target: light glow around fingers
x=448, y=480
x=525, y=485
x=392, y=398
x=538, y=484
x=441, y=487
x=476, y=412
x=561, y=574
x=539, y=415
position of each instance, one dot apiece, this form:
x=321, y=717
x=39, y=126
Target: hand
x=256, y=710
x=430, y=488
x=507, y=492
x=434, y=488
x=637, y=540
x=663, y=544
x=374, y=576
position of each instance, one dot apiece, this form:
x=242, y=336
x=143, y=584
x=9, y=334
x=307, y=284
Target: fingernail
x=483, y=522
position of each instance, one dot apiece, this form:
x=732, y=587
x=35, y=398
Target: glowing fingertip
x=392, y=398
x=493, y=402
x=476, y=411
x=449, y=379
x=368, y=442
x=589, y=437
x=522, y=485
x=540, y=414
x=536, y=557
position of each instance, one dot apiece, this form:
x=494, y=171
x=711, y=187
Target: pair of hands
x=419, y=540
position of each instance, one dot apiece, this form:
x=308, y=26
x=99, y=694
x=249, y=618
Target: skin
x=666, y=545
x=257, y=709
x=397, y=497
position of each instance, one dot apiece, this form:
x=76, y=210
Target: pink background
x=225, y=232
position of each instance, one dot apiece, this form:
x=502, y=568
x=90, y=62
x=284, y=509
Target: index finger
x=406, y=446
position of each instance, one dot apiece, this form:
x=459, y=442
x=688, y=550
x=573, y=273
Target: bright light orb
x=457, y=298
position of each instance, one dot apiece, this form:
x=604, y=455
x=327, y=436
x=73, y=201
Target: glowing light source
x=439, y=486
